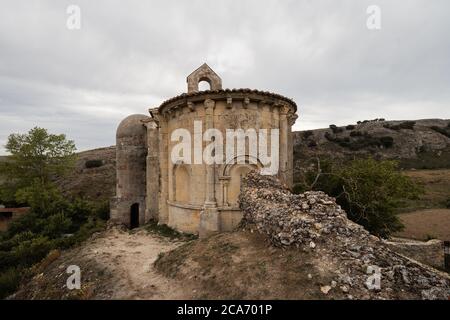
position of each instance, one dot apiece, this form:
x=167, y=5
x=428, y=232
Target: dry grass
x=426, y=224
x=437, y=189
x=428, y=217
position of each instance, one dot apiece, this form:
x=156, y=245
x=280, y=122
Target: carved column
x=210, y=169
x=283, y=111
x=209, y=217
x=225, y=181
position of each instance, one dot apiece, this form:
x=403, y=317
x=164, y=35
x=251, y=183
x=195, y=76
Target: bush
x=387, y=141
x=32, y=236
x=335, y=129
x=350, y=127
x=409, y=125
x=356, y=134
x=93, y=164
x=369, y=191
x=442, y=130
x=9, y=282
x=361, y=141
x=329, y=137
x=307, y=134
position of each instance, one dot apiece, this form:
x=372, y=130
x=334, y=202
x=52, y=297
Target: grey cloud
x=131, y=55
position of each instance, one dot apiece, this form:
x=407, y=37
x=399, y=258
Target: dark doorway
x=134, y=216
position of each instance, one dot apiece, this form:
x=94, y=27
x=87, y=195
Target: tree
x=369, y=191
x=54, y=220
x=36, y=158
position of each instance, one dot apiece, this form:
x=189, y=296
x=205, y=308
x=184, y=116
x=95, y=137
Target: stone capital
x=190, y=106
x=291, y=118
x=209, y=104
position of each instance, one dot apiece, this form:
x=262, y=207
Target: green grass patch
x=164, y=230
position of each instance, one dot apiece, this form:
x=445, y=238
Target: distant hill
x=94, y=175
x=420, y=144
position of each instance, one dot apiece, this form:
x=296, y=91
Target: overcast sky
x=132, y=55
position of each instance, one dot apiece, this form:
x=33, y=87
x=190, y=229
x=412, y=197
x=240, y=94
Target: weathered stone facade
x=195, y=198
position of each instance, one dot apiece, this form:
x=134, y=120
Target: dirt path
x=129, y=258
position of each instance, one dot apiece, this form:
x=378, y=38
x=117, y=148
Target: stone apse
x=195, y=198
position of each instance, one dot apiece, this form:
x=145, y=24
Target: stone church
x=194, y=198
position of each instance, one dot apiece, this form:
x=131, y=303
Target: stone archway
x=181, y=184
x=233, y=172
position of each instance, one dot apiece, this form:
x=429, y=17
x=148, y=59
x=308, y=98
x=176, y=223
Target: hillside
x=94, y=175
x=420, y=144
x=418, y=147
x=312, y=252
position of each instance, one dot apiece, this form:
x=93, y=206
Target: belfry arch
x=203, y=73
x=233, y=172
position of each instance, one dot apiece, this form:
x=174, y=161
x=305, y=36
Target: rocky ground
x=289, y=247
x=418, y=147
x=314, y=223
x=115, y=264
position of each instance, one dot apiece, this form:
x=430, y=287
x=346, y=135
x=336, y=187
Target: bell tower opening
x=203, y=73
x=204, y=85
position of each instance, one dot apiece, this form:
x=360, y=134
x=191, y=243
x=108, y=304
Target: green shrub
x=360, y=141
x=54, y=221
x=442, y=130
x=93, y=163
x=31, y=251
x=166, y=231
x=9, y=282
x=387, y=141
x=350, y=127
x=307, y=134
x=369, y=191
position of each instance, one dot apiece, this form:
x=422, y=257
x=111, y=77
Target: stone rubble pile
x=313, y=222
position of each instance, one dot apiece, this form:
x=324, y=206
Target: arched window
x=182, y=184
x=204, y=85
x=237, y=172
